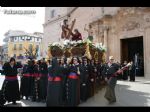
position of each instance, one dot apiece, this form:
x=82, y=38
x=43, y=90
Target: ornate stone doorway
x=132, y=49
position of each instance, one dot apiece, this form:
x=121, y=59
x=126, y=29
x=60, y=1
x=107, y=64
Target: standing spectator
x=125, y=72
x=132, y=71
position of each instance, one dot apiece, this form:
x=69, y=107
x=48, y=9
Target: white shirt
x=109, y=64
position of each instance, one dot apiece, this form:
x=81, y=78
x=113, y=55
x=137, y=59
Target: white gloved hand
x=83, y=84
x=95, y=70
x=92, y=80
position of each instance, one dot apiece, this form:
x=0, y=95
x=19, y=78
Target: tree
x=32, y=52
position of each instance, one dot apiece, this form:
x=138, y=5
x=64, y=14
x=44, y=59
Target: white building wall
x=52, y=26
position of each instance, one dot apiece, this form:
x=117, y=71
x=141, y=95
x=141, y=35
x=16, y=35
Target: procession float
x=77, y=49
x=72, y=45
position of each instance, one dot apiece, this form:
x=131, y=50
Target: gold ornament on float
x=96, y=56
x=87, y=52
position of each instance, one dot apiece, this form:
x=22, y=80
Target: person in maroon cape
x=76, y=36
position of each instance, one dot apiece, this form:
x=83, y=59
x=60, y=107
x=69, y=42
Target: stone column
x=147, y=53
x=98, y=32
x=105, y=35
x=105, y=28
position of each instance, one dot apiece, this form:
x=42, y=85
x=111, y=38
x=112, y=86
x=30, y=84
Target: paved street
x=128, y=94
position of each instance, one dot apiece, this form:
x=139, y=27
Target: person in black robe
x=65, y=72
x=93, y=72
x=31, y=72
x=132, y=71
x=99, y=77
x=125, y=72
x=73, y=83
x=36, y=84
x=31, y=78
x=43, y=69
x=120, y=77
x=54, y=90
x=84, y=80
x=2, y=99
x=25, y=81
x=11, y=85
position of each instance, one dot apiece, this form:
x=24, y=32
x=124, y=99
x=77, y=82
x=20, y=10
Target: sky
x=25, y=22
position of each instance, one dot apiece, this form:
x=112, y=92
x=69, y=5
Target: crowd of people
x=59, y=81
x=128, y=74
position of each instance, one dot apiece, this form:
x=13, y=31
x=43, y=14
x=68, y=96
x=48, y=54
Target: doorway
x=132, y=50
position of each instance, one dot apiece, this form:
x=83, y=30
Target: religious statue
x=90, y=32
x=66, y=31
x=76, y=36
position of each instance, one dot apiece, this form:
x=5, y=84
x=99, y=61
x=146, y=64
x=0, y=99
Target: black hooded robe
x=65, y=72
x=43, y=80
x=54, y=90
x=84, y=83
x=125, y=73
x=35, y=91
x=92, y=83
x=25, y=82
x=11, y=85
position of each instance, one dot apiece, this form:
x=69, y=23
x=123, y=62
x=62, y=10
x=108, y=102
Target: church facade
x=125, y=31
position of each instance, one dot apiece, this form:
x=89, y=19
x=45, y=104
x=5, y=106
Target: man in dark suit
x=108, y=72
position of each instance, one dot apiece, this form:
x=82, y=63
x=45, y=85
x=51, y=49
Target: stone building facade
x=115, y=27
x=52, y=26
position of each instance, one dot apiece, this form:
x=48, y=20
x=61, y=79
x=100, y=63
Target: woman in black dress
x=11, y=85
x=73, y=82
